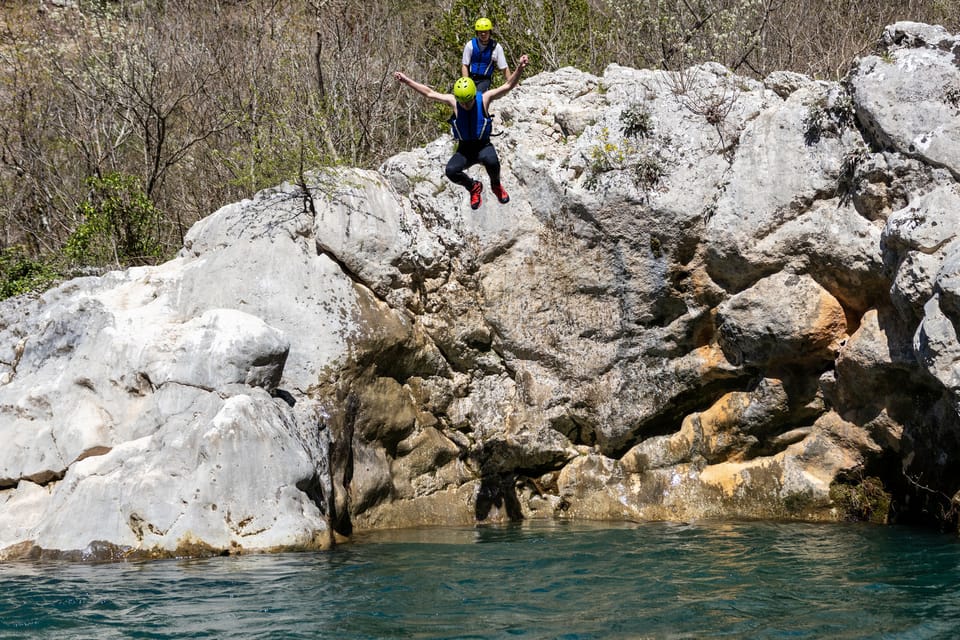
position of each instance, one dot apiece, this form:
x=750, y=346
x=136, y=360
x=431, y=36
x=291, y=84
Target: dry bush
x=823, y=37
x=358, y=46
x=203, y=102
x=754, y=37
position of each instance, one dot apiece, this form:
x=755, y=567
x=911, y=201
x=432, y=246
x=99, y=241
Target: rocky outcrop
x=708, y=296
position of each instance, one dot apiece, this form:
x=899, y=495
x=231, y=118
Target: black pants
x=482, y=82
x=469, y=153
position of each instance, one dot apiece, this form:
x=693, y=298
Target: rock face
x=708, y=296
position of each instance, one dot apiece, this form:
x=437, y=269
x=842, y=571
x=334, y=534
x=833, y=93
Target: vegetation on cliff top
x=128, y=121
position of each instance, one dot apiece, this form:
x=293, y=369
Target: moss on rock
x=865, y=499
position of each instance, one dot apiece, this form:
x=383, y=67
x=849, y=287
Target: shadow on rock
x=498, y=496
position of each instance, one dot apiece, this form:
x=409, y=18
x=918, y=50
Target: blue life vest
x=473, y=124
x=481, y=62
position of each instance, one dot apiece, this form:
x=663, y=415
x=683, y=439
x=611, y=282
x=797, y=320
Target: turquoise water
x=703, y=580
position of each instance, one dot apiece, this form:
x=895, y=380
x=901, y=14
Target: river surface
x=658, y=580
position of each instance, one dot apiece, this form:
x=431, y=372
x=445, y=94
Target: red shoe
x=475, y=199
x=500, y=192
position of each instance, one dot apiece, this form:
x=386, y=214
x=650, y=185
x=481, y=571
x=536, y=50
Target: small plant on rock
x=648, y=171
x=712, y=103
x=829, y=117
x=604, y=156
x=642, y=161
x=636, y=120
x=847, y=180
x=952, y=97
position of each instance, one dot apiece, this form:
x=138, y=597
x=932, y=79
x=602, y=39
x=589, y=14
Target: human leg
x=487, y=156
x=456, y=170
x=456, y=173
x=491, y=162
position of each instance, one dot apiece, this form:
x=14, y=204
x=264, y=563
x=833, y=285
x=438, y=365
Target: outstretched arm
x=512, y=81
x=424, y=90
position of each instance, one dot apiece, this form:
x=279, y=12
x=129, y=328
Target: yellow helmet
x=483, y=24
x=464, y=90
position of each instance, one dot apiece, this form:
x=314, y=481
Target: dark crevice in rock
x=911, y=502
x=577, y=430
x=341, y=429
x=288, y=398
x=400, y=362
x=456, y=362
x=496, y=251
x=141, y=385
x=201, y=387
x=313, y=488
x=45, y=477
x=94, y=451
x=350, y=273
x=670, y=416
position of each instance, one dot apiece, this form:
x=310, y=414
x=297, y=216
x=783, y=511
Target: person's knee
x=490, y=159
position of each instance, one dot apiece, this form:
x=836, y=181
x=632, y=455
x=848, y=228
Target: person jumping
x=471, y=127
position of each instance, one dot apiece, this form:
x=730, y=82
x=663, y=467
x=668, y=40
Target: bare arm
x=465, y=59
x=506, y=65
x=512, y=81
x=424, y=90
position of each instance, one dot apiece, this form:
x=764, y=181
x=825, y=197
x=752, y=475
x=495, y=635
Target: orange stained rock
x=830, y=325
x=727, y=476
x=711, y=358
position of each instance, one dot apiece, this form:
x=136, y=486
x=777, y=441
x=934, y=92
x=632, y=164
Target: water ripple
x=700, y=580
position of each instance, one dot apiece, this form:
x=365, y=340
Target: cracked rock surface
x=708, y=296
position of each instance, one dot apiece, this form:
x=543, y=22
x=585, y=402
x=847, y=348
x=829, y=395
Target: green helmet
x=483, y=24
x=464, y=90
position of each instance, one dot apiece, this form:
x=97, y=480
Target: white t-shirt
x=499, y=58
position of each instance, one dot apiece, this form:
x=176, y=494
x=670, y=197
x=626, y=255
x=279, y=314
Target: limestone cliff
x=708, y=296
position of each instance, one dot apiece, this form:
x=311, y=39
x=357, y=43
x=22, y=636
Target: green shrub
x=19, y=274
x=119, y=225
x=829, y=117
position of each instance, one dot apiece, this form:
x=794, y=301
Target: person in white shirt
x=482, y=55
